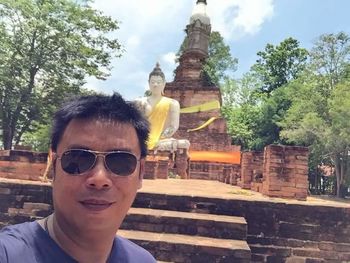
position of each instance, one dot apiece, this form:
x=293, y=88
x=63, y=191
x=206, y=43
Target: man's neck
x=83, y=246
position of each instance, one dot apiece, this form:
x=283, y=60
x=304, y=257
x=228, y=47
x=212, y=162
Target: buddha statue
x=163, y=114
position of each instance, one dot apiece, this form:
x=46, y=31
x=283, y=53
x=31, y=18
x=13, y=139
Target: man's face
x=96, y=199
x=156, y=85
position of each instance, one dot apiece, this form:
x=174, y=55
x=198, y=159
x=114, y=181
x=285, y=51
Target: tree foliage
x=254, y=124
x=47, y=48
x=320, y=110
x=241, y=109
x=277, y=65
x=219, y=63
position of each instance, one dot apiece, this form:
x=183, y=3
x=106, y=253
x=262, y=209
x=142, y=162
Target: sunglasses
x=78, y=161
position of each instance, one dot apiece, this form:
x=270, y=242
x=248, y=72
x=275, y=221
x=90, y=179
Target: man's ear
x=141, y=171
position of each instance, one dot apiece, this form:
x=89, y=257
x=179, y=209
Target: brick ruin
x=279, y=171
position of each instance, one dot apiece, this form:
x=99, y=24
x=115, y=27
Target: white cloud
x=133, y=41
x=152, y=31
x=236, y=18
x=169, y=58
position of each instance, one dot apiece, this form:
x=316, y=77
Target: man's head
x=99, y=144
x=108, y=108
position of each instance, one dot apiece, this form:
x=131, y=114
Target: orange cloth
x=219, y=157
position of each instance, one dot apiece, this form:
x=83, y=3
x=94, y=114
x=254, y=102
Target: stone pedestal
x=163, y=167
x=151, y=167
x=159, y=164
x=182, y=163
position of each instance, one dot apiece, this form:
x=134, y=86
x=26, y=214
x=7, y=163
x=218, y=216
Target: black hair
x=101, y=106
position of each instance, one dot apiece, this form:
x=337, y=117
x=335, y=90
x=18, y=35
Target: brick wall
x=25, y=165
x=24, y=201
x=251, y=168
x=285, y=172
x=226, y=173
x=279, y=171
x=191, y=92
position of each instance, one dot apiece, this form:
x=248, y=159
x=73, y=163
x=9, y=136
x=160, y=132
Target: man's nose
x=99, y=177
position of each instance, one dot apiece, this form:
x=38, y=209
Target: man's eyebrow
x=78, y=146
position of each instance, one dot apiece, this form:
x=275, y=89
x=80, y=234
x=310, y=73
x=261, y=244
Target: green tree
x=254, y=123
x=330, y=57
x=241, y=109
x=47, y=49
x=219, y=63
x=38, y=136
x=277, y=65
x=320, y=110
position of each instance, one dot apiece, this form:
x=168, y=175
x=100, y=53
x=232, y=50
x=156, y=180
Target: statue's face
x=156, y=85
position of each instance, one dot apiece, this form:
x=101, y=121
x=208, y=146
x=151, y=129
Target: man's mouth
x=96, y=204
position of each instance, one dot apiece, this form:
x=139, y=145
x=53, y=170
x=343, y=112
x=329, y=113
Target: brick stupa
x=191, y=88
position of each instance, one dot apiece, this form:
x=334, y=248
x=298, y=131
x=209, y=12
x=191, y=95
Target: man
x=98, y=145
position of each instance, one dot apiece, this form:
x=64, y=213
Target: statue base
x=169, y=159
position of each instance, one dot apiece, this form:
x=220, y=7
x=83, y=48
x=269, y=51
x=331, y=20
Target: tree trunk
x=337, y=161
x=7, y=138
x=341, y=162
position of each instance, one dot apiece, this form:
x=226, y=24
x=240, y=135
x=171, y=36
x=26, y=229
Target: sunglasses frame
x=97, y=154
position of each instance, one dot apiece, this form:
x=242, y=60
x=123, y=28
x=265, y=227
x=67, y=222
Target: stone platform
x=214, y=189
x=193, y=220
x=278, y=230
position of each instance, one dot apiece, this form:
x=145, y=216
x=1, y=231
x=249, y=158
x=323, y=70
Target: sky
x=153, y=30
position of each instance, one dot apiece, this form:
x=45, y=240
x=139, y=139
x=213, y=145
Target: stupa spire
x=198, y=30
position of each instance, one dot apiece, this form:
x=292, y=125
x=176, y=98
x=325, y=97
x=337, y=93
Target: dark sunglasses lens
x=77, y=161
x=121, y=163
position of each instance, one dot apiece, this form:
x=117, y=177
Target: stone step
x=208, y=225
x=185, y=248
x=298, y=253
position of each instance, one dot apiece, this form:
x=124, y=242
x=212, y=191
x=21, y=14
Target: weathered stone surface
x=183, y=248
x=219, y=226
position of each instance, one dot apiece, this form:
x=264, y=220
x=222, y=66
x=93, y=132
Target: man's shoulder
x=16, y=232
x=14, y=242
x=29, y=243
x=132, y=252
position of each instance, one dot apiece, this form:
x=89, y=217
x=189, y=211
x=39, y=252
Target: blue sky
x=153, y=30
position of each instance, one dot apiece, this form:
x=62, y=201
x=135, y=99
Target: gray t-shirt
x=29, y=243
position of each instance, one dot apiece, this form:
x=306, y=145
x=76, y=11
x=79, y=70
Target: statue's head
x=156, y=80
